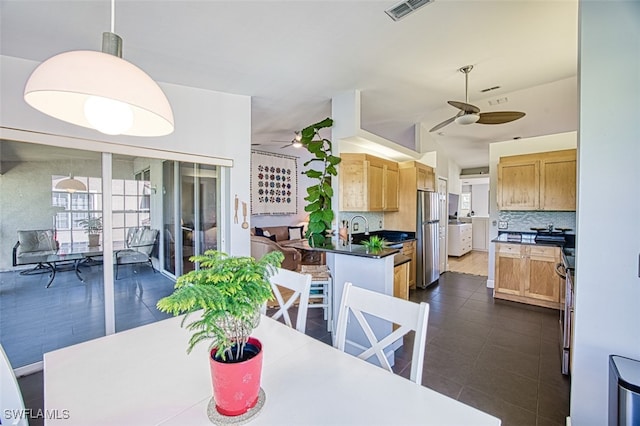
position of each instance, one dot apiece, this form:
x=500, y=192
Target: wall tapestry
x=274, y=183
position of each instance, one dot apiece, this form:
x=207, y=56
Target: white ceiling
x=292, y=57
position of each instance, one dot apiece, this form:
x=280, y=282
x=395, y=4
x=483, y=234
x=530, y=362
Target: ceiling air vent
x=404, y=8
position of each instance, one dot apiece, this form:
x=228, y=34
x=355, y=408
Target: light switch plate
x=503, y=224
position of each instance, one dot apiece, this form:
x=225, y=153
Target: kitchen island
x=374, y=271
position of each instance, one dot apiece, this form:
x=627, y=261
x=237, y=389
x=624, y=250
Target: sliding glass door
x=54, y=286
x=194, y=188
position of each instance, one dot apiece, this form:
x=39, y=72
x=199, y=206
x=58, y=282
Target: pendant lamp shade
x=71, y=185
x=100, y=91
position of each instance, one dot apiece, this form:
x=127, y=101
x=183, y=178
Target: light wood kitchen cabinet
x=425, y=176
x=526, y=274
x=541, y=181
x=401, y=281
x=409, y=250
x=558, y=181
x=368, y=183
x=460, y=239
x=413, y=176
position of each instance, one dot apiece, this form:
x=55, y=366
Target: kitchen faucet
x=366, y=227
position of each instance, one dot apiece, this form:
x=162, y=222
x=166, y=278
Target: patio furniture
x=139, y=244
x=409, y=316
x=37, y=247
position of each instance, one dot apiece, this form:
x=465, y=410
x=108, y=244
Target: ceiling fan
x=295, y=142
x=470, y=114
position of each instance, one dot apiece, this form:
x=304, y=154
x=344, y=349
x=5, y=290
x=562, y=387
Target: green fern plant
x=374, y=244
x=319, y=195
x=230, y=292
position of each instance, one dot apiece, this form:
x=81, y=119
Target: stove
x=550, y=236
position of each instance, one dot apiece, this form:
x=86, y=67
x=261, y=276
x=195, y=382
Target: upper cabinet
x=542, y=181
x=368, y=183
x=413, y=176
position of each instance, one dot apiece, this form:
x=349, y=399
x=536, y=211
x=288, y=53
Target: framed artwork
x=274, y=183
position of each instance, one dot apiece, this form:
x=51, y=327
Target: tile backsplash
x=374, y=219
x=524, y=220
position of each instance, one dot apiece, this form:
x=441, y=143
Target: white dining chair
x=406, y=314
x=301, y=285
x=11, y=402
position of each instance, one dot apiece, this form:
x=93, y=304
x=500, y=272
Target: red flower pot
x=236, y=384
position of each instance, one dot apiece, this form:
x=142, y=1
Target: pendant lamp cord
x=113, y=16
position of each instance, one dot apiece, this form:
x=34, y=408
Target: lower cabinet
x=401, y=281
x=526, y=274
x=409, y=250
x=460, y=239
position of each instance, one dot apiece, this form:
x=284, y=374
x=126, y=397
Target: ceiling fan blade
x=463, y=106
x=499, y=117
x=444, y=123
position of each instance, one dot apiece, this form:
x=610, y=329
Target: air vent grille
x=489, y=89
x=404, y=8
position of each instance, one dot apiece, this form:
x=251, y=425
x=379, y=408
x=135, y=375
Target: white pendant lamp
x=71, y=185
x=101, y=91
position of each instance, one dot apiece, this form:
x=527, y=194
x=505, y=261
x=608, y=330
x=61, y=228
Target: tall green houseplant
x=319, y=195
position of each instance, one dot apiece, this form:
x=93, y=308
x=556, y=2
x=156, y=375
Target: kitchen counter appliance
x=427, y=245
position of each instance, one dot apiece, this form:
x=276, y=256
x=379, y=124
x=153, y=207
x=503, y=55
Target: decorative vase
x=94, y=240
x=236, y=384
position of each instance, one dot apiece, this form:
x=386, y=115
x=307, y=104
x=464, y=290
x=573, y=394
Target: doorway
x=443, y=206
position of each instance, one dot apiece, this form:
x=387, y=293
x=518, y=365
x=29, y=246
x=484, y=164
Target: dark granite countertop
x=400, y=259
x=524, y=238
x=389, y=235
x=529, y=238
x=349, y=249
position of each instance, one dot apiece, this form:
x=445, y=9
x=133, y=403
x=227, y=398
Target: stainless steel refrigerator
x=428, y=250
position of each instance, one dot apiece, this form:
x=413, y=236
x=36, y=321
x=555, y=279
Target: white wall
x=208, y=123
x=303, y=183
x=608, y=287
x=515, y=147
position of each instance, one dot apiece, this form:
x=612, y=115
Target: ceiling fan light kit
x=101, y=91
x=470, y=114
x=467, y=119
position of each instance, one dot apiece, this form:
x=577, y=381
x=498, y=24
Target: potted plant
x=374, y=244
x=229, y=293
x=93, y=227
x=319, y=196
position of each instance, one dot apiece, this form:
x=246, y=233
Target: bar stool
x=321, y=288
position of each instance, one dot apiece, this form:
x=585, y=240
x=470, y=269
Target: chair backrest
x=407, y=315
x=11, y=403
x=141, y=239
x=37, y=240
x=300, y=284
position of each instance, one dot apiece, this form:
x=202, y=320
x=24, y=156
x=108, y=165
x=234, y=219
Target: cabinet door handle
x=561, y=272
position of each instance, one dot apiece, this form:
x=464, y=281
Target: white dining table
x=144, y=376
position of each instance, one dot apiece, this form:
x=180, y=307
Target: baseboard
x=29, y=369
x=490, y=283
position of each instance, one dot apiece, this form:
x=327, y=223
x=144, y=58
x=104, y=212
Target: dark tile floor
x=35, y=319
x=502, y=358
